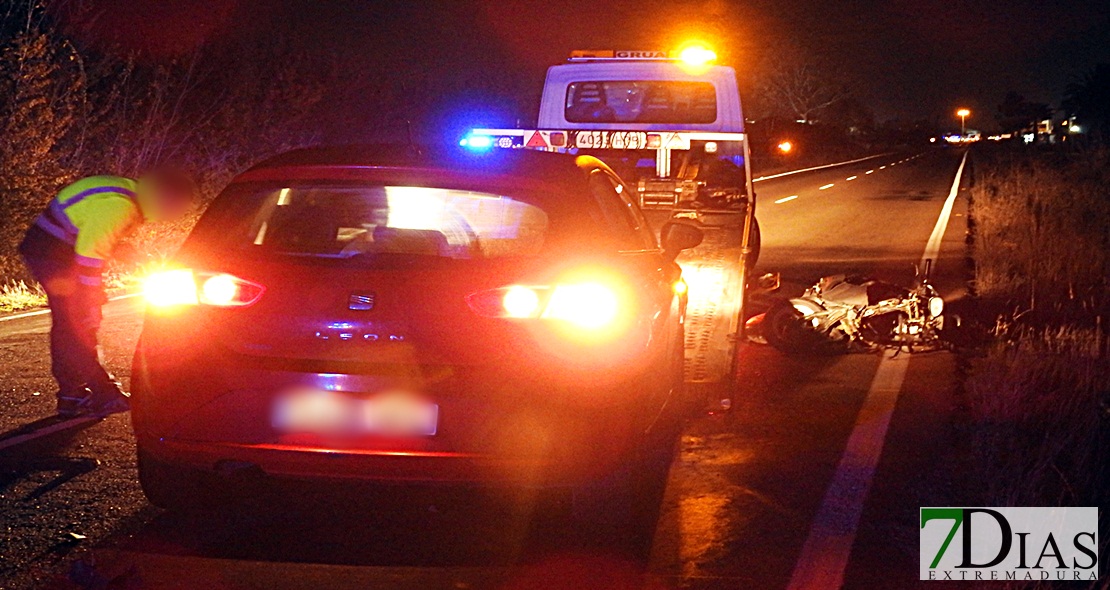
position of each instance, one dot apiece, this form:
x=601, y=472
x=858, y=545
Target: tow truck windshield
x=641, y=101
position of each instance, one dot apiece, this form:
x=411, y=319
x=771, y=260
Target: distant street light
x=963, y=114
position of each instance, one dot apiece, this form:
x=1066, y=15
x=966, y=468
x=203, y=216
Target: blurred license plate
x=335, y=413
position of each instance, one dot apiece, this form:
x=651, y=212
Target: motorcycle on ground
x=843, y=312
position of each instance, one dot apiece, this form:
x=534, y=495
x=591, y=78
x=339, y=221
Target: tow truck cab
x=672, y=126
x=644, y=94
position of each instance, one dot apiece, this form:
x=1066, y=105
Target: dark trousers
x=75, y=316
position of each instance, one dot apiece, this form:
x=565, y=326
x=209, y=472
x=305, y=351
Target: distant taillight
x=187, y=287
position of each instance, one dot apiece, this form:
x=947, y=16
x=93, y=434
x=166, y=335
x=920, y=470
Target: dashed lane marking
x=786, y=199
x=827, y=186
x=781, y=174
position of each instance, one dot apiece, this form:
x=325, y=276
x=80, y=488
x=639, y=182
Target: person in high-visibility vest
x=66, y=250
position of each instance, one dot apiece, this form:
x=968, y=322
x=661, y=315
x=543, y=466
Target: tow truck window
x=351, y=221
x=641, y=102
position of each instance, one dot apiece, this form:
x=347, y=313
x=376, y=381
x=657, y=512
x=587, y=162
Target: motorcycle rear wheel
x=786, y=328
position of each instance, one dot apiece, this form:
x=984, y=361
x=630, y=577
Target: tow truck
x=671, y=125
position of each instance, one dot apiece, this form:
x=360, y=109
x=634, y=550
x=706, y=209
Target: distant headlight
x=936, y=306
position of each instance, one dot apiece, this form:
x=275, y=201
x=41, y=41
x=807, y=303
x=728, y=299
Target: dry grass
x=1038, y=412
x=1042, y=241
x=18, y=296
x=1039, y=400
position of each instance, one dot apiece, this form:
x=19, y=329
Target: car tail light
x=588, y=305
x=185, y=287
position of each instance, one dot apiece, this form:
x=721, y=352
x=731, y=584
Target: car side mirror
x=677, y=237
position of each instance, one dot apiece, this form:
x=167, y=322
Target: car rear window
x=645, y=101
x=354, y=221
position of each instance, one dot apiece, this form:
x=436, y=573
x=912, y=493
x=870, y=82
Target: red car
x=415, y=315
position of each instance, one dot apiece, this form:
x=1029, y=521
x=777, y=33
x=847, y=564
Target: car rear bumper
x=287, y=461
x=495, y=426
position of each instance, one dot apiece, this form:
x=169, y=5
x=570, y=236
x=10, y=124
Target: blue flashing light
x=477, y=142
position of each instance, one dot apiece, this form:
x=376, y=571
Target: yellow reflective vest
x=92, y=215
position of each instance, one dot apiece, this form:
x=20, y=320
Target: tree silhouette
x=1016, y=113
x=1089, y=100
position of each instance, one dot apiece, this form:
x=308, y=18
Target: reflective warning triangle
x=536, y=141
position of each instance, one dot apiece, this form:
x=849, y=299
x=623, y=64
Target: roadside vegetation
x=1039, y=397
x=17, y=296
x=73, y=106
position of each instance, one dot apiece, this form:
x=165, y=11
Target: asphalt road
x=812, y=481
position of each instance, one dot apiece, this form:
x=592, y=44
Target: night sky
x=906, y=59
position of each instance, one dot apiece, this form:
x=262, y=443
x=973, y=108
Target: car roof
x=528, y=165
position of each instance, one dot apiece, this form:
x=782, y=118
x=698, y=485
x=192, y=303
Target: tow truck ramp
x=712, y=271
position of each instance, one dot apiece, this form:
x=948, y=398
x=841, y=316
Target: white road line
x=932, y=247
x=781, y=174
x=881, y=167
x=824, y=556
x=785, y=199
x=829, y=185
x=29, y=314
x=825, y=553
x=871, y=171
x=851, y=178
x=14, y=441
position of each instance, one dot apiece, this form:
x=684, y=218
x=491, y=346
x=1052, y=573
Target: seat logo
x=361, y=301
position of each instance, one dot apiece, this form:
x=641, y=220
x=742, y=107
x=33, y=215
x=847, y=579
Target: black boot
x=110, y=398
x=75, y=402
